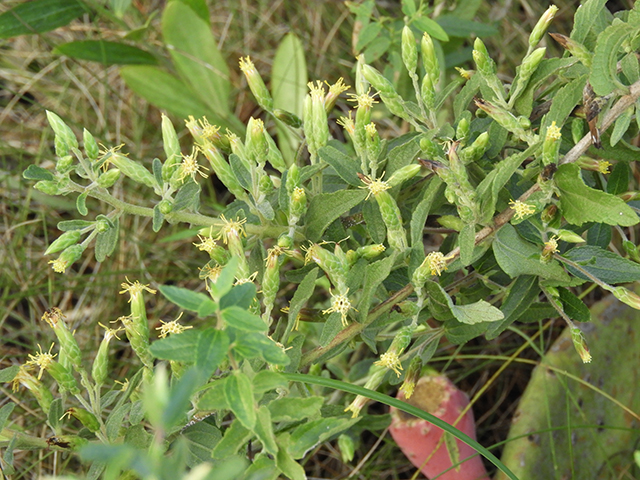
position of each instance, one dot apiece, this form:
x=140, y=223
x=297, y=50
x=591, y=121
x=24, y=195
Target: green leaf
x=519, y=257
x=241, y=296
x=115, y=420
x=291, y=409
x=285, y=463
x=607, y=266
x=8, y=374
x=367, y=35
x=375, y=273
x=344, y=165
x=455, y=26
x=466, y=240
x=187, y=197
x=604, y=76
x=240, y=171
x=183, y=297
x=234, y=437
x=404, y=152
x=39, y=16
x=332, y=326
x=258, y=345
x=81, y=203
x=373, y=222
x=266, y=380
x=618, y=181
x=178, y=402
x=214, y=398
x=106, y=242
x=196, y=56
x=68, y=225
x=599, y=235
x=580, y=203
x=327, y=207
x=201, y=439
x=564, y=102
x=211, y=350
x=288, y=89
x=585, y=17
x=310, y=434
x=520, y=296
x=421, y=211
x=225, y=280
x=5, y=411
x=264, y=430
x=429, y=26
x=199, y=7
x=621, y=125
x=56, y=410
x=377, y=48
x=158, y=219
x=238, y=391
x=33, y=172
x=179, y=348
x=574, y=307
x=241, y=319
x=477, y=312
x=460, y=333
x=301, y=296
x=106, y=53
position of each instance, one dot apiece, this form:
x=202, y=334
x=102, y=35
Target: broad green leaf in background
x=326, y=207
x=344, y=165
x=580, y=203
x=425, y=24
x=179, y=348
x=288, y=89
x=199, y=7
x=196, y=56
x=586, y=15
x=290, y=409
x=604, y=76
x=241, y=319
x=107, y=53
x=39, y=16
x=178, y=402
x=235, y=436
x=519, y=257
x=621, y=125
x=264, y=430
x=459, y=333
x=211, y=350
x=603, y=264
x=618, y=181
x=564, y=102
x=33, y=172
x=301, y=295
x=266, y=380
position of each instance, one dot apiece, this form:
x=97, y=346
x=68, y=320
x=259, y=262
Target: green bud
x=62, y=130
x=297, y=205
x=87, y=418
x=525, y=70
x=65, y=164
x=462, y=130
x=429, y=57
x=504, y=118
x=569, y=236
x=223, y=171
x=449, y=221
x=576, y=49
x=403, y=174
x=369, y=252
x=541, y=27
x=288, y=118
x=67, y=258
x=132, y=169
x=68, y=345
x=428, y=91
x=316, y=128
x=524, y=122
x=626, y=296
x=63, y=241
x=102, y=226
x=91, y=149
x=388, y=93
x=487, y=68
x=48, y=187
x=347, y=446
x=329, y=263
x=577, y=129
x=285, y=241
x=476, y=150
x=362, y=85
x=551, y=145
x=62, y=149
x=409, y=50
x=256, y=143
x=429, y=148
x=580, y=345
x=256, y=84
x=373, y=146
x=171, y=146
x=293, y=178
x=108, y=178
x=63, y=377
x=265, y=185
x=396, y=234
x=414, y=372
x=165, y=206
x=274, y=156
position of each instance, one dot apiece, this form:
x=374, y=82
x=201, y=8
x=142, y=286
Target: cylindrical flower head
x=274, y=156
x=541, y=27
x=485, y=64
x=476, y=150
x=65, y=164
x=256, y=84
x=293, y=178
x=109, y=178
x=396, y=235
x=414, y=372
x=369, y=252
x=100, y=368
x=271, y=280
x=41, y=393
x=139, y=342
x=391, y=358
x=373, y=146
x=403, y=174
x=409, y=50
x=362, y=85
x=429, y=57
x=315, y=116
x=334, y=92
x=388, y=93
x=131, y=169
x=63, y=241
x=256, y=144
x=223, y=171
x=428, y=91
x=68, y=345
x=63, y=377
x=90, y=145
x=462, y=130
x=626, y=296
x=503, y=117
x=329, y=263
x=430, y=149
x=171, y=144
x=551, y=145
x=137, y=325
x=87, y=418
x=528, y=67
x=67, y=258
x=297, y=205
x=576, y=49
x=62, y=130
x=580, y=345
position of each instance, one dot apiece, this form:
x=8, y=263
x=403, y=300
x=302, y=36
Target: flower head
x=355, y=406
x=391, y=361
x=347, y=123
x=106, y=154
x=110, y=333
x=375, y=187
x=210, y=273
x=190, y=167
x=24, y=378
x=206, y=244
x=436, y=262
x=550, y=247
x=231, y=229
x=365, y=100
x=52, y=316
x=41, y=359
x=553, y=132
x=172, y=327
x=603, y=167
x=59, y=265
x=341, y=304
x=580, y=345
x=522, y=209
x=466, y=74
x=246, y=66
x=135, y=288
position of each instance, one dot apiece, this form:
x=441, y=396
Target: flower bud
x=223, y=171
x=369, y=252
x=428, y=91
x=171, y=145
x=334, y=92
x=362, y=85
x=569, y=236
x=87, y=418
x=108, y=178
x=91, y=149
x=132, y=169
x=68, y=345
x=503, y=117
x=61, y=147
x=68, y=257
x=576, y=49
x=525, y=71
x=265, y=185
x=297, y=205
x=256, y=84
x=414, y=372
x=388, y=93
x=541, y=27
x=256, y=144
x=409, y=50
x=165, y=206
x=62, y=130
x=403, y=174
x=551, y=145
x=626, y=296
x=48, y=187
x=476, y=150
x=429, y=57
x=285, y=241
x=580, y=344
x=430, y=149
x=63, y=241
x=462, y=130
x=64, y=164
x=347, y=447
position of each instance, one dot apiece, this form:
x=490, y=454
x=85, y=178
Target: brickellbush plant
x=528, y=201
